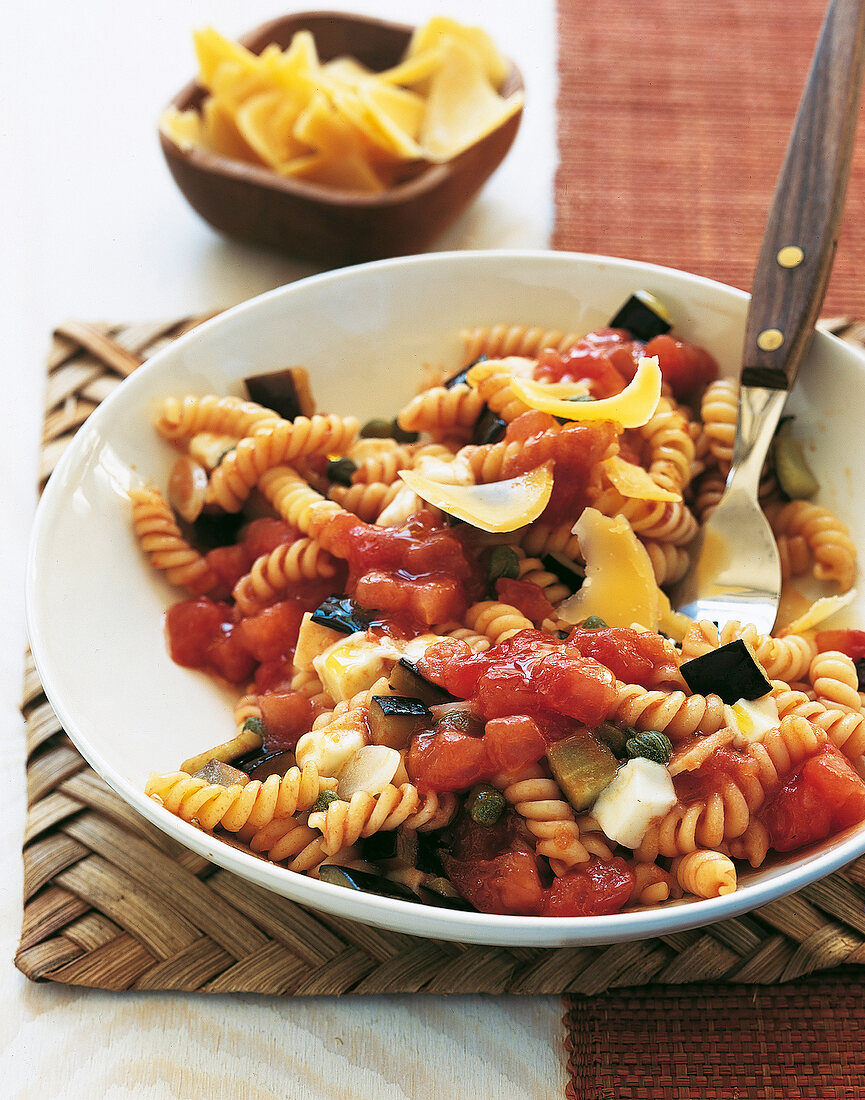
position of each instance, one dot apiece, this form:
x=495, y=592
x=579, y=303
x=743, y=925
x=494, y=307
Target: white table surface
x=92, y=227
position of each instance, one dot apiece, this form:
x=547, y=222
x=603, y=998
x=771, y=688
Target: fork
x=735, y=571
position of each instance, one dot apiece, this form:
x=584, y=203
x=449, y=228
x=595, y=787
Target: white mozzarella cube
x=331, y=748
x=752, y=719
x=640, y=791
x=313, y=639
x=354, y=663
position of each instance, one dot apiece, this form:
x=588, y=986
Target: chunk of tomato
x=449, y=760
x=824, y=796
x=509, y=883
x=526, y=597
x=851, y=642
x=272, y=632
x=591, y=889
x=286, y=716
x=687, y=368
x=513, y=743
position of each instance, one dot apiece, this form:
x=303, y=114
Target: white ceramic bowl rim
x=389, y=913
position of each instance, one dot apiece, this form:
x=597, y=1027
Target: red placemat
x=673, y=120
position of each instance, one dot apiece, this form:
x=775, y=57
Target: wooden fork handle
x=802, y=231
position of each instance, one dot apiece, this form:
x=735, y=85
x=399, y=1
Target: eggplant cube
x=394, y=720
x=730, y=671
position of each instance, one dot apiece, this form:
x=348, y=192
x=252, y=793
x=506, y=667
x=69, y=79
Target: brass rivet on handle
x=791, y=255
x=770, y=339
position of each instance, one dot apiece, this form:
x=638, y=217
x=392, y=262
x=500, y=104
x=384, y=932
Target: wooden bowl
x=323, y=224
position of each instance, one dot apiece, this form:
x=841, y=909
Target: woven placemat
x=111, y=902
x=673, y=120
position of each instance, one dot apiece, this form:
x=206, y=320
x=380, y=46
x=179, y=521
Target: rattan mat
x=111, y=902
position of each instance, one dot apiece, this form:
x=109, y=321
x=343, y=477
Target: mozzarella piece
x=641, y=791
x=370, y=769
x=312, y=640
x=752, y=719
x=331, y=748
x=354, y=662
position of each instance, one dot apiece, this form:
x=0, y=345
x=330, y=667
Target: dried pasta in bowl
x=459, y=678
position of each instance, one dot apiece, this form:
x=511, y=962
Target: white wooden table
x=92, y=227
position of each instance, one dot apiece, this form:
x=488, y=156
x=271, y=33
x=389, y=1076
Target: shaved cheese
x=620, y=585
x=632, y=408
x=819, y=611
x=498, y=506
x=635, y=482
x=670, y=622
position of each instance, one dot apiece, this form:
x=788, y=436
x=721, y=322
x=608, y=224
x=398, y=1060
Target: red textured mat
x=673, y=120
x=719, y=1043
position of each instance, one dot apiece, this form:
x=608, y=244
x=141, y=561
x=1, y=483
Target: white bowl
x=94, y=609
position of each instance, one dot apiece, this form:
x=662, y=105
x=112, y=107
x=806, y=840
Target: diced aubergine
x=459, y=378
x=791, y=468
x=485, y=804
x=643, y=316
x=408, y=680
x=286, y=392
x=395, y=847
x=213, y=529
x=343, y=614
x=489, y=428
x=221, y=774
x=365, y=882
x=271, y=763
x=583, y=766
x=730, y=671
x=441, y=892
x=395, y=719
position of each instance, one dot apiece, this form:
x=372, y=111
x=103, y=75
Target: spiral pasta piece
x=383, y=464
x=277, y=445
x=435, y=810
x=544, y=538
x=271, y=574
x=289, y=841
x=719, y=411
x=367, y=500
x=442, y=409
x=345, y=822
x=669, y=521
x=827, y=538
x=670, y=446
x=674, y=713
x=161, y=540
x=550, y=819
x=669, y=563
x=499, y=341
x=845, y=728
x=498, y=621
x=190, y=415
x=307, y=683
x=297, y=502
x=533, y=571
x=652, y=884
x=705, y=873
x=835, y=680
x=255, y=803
